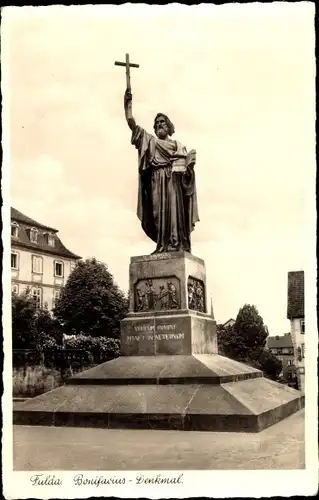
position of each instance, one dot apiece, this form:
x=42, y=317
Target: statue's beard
x=161, y=132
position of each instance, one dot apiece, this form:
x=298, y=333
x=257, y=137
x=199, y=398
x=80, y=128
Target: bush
x=101, y=348
x=23, y=317
x=33, y=381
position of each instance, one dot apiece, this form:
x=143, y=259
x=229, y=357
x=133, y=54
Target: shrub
x=101, y=348
x=33, y=381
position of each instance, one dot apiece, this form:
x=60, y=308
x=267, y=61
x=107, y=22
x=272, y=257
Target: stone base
x=168, y=311
x=200, y=392
x=182, y=332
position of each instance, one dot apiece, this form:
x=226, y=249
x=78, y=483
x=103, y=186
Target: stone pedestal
x=170, y=375
x=168, y=307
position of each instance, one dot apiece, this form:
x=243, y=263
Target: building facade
x=296, y=315
x=39, y=260
x=282, y=347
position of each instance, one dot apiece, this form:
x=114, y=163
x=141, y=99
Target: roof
x=18, y=216
x=231, y=320
x=41, y=246
x=296, y=295
x=279, y=341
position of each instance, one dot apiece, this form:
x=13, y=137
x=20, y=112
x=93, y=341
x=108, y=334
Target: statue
x=167, y=202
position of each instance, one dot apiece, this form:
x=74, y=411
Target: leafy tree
x=225, y=337
x=23, y=326
x=249, y=333
x=91, y=302
x=47, y=327
x=269, y=364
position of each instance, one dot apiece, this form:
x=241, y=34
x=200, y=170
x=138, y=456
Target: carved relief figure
x=199, y=297
x=196, y=295
x=150, y=294
x=140, y=300
x=172, y=295
x=191, y=296
x=157, y=294
x=162, y=297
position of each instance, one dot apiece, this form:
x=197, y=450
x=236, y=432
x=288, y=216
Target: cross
x=127, y=65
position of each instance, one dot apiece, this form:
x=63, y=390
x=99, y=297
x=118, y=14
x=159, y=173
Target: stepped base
x=199, y=392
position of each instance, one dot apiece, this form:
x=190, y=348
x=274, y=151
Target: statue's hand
x=127, y=97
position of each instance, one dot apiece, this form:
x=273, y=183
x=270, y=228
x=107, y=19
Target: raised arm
x=128, y=110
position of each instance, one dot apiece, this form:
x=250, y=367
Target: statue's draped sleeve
x=144, y=142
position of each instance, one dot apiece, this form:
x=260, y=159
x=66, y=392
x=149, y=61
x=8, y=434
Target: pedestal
x=168, y=307
x=170, y=375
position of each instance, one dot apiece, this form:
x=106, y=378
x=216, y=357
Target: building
x=39, y=260
x=281, y=346
x=229, y=322
x=296, y=315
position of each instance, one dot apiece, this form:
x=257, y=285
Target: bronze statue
x=167, y=202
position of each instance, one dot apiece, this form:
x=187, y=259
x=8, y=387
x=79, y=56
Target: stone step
x=248, y=405
x=179, y=369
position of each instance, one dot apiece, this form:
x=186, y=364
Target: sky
x=238, y=83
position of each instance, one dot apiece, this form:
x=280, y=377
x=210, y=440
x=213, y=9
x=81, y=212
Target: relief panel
x=157, y=294
x=196, y=294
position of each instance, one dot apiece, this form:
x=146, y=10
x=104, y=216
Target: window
x=33, y=235
x=14, y=260
x=58, y=269
x=37, y=264
x=274, y=351
x=15, y=289
x=302, y=326
x=302, y=351
x=49, y=238
x=14, y=230
x=56, y=296
x=37, y=297
x=285, y=350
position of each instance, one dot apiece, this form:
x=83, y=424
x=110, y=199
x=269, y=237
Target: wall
x=298, y=340
x=24, y=276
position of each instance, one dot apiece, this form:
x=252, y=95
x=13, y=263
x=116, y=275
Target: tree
x=250, y=333
x=91, y=302
x=23, y=326
x=47, y=328
x=269, y=364
x=245, y=340
x=225, y=338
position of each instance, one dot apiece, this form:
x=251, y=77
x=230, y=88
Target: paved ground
x=63, y=448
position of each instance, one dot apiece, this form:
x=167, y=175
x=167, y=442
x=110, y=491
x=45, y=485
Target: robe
x=167, y=202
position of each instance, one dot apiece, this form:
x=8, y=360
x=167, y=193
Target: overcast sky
x=238, y=83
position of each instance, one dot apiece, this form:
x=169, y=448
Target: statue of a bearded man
x=167, y=202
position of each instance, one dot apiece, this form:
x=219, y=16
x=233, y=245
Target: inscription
x=158, y=336
x=145, y=328
x=155, y=256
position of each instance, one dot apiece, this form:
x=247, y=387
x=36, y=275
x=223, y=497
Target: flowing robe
x=167, y=203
